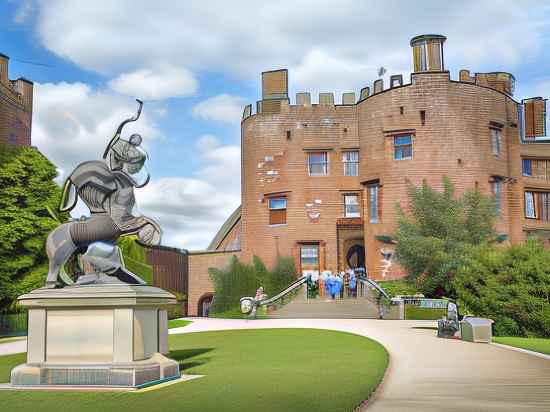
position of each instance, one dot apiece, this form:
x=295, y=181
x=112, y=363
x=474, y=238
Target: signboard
x=433, y=303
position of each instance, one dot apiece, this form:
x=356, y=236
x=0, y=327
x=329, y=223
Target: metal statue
x=106, y=187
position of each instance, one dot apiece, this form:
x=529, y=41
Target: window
x=277, y=211
x=537, y=205
x=318, y=163
x=309, y=255
x=373, y=203
x=537, y=168
x=402, y=146
x=351, y=206
x=495, y=141
x=527, y=167
x=351, y=163
x=530, y=205
x=496, y=187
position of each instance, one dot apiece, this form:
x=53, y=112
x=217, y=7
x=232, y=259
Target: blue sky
x=197, y=63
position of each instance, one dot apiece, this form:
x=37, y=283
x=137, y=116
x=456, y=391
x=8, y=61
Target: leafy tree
x=510, y=286
x=433, y=239
x=27, y=190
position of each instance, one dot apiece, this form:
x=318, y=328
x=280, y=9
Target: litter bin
x=476, y=329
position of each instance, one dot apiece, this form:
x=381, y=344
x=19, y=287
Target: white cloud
x=161, y=83
x=191, y=209
x=349, y=39
x=73, y=123
x=221, y=108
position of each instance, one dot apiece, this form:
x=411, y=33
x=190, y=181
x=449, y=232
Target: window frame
x=358, y=205
x=400, y=147
x=530, y=162
x=311, y=246
x=534, y=203
x=350, y=162
x=496, y=189
x=496, y=141
x=374, y=206
x=325, y=163
x=274, y=212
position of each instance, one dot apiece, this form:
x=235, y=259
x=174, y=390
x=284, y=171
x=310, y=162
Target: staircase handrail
x=250, y=304
x=298, y=282
x=374, y=285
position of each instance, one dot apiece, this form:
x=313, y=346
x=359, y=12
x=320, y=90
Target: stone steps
x=327, y=309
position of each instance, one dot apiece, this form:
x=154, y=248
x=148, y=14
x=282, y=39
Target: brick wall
x=199, y=281
x=454, y=141
x=16, y=100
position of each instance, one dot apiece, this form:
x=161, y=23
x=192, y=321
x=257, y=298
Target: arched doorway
x=355, y=256
x=204, y=304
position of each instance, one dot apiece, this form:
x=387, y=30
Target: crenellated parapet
x=16, y=102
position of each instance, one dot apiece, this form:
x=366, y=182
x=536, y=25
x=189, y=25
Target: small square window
x=351, y=206
x=351, y=163
x=309, y=255
x=277, y=211
x=318, y=163
x=402, y=146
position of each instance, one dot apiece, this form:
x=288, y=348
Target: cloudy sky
x=197, y=63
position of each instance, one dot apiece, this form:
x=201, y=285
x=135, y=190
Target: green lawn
x=535, y=344
x=178, y=323
x=269, y=369
x=413, y=312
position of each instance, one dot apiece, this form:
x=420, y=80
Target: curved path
x=427, y=373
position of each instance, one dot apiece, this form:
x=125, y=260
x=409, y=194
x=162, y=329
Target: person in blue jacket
x=333, y=285
x=353, y=285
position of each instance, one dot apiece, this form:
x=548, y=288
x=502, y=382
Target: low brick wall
x=199, y=281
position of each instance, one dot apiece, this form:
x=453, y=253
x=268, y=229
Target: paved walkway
x=427, y=373
x=17, y=346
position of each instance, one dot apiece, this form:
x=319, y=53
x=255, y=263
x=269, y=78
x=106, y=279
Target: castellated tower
x=16, y=101
x=321, y=178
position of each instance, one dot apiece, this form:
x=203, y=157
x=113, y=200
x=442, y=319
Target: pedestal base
x=156, y=369
x=97, y=335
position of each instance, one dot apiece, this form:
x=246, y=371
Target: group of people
x=335, y=285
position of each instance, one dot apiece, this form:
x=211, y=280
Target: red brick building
x=320, y=182
x=15, y=107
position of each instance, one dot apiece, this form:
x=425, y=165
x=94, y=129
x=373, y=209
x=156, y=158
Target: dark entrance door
x=204, y=305
x=356, y=256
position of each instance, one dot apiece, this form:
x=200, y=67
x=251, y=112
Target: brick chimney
x=428, y=53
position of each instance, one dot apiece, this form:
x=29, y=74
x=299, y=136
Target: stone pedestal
x=97, y=335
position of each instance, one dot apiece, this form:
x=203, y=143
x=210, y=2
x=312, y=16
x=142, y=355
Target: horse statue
x=106, y=187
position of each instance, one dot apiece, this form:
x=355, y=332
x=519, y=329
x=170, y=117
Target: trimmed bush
x=240, y=279
x=510, y=286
